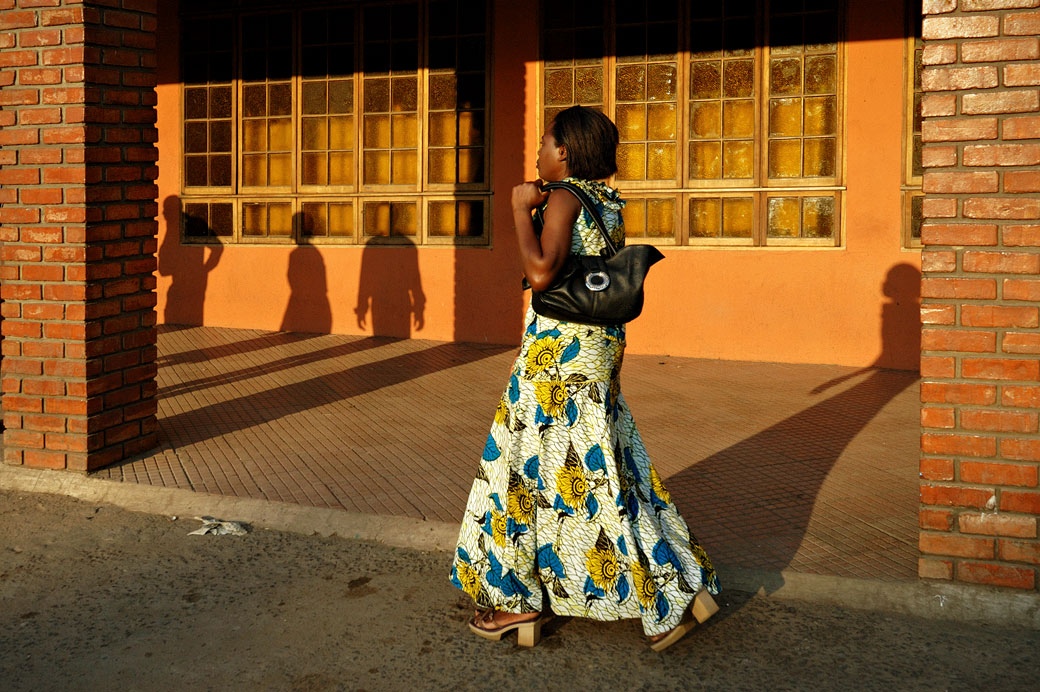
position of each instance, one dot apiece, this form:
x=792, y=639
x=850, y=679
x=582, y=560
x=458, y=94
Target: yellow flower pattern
x=566, y=504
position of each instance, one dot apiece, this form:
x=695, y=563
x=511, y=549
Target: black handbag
x=604, y=289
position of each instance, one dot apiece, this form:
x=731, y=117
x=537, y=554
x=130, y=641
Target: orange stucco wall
x=854, y=305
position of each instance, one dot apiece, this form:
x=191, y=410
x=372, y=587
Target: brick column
x=77, y=223
x=980, y=392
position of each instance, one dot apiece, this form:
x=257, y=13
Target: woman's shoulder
x=601, y=193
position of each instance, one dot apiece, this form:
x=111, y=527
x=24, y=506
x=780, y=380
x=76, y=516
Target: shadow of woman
x=390, y=289
x=752, y=502
x=187, y=266
x=308, y=309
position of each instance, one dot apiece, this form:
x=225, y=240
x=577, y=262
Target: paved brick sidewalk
x=805, y=467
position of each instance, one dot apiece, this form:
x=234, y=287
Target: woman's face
x=552, y=163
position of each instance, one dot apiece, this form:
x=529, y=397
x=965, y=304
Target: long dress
x=566, y=502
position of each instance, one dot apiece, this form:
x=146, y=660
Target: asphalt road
x=97, y=598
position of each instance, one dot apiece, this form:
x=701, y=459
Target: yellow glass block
x=785, y=117
x=661, y=163
x=254, y=170
x=254, y=219
x=377, y=167
x=705, y=119
x=377, y=131
x=404, y=94
x=443, y=92
x=559, y=87
x=661, y=82
x=785, y=158
x=635, y=218
x=661, y=121
x=819, y=157
x=280, y=169
x=442, y=165
x=738, y=79
x=784, y=217
x=738, y=215
x=821, y=74
x=706, y=80
x=738, y=159
x=254, y=135
x=315, y=134
x=705, y=217
x=279, y=134
x=820, y=117
x=341, y=133
x=279, y=99
x=377, y=95
x=469, y=218
x=588, y=85
x=341, y=168
x=377, y=219
x=405, y=131
x=785, y=76
x=315, y=168
x=471, y=128
x=738, y=118
x=341, y=96
x=314, y=219
x=818, y=217
x=705, y=160
x=404, y=167
x=631, y=160
x=550, y=113
x=442, y=129
x=341, y=219
x=403, y=218
x=314, y=98
x=254, y=101
x=631, y=122
x=631, y=83
x=471, y=165
x=660, y=218
x=442, y=219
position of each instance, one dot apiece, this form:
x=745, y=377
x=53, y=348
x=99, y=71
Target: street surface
x=97, y=598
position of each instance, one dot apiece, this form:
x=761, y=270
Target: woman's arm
x=543, y=257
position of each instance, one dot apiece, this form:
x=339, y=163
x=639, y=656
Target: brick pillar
x=980, y=342
x=77, y=223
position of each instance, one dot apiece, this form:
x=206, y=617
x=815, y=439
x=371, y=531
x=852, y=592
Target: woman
x=566, y=501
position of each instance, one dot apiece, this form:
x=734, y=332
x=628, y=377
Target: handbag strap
x=589, y=207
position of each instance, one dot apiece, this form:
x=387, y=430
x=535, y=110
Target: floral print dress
x=566, y=503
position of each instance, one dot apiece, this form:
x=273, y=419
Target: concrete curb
x=928, y=599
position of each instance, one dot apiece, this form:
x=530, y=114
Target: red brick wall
x=77, y=223
x=981, y=286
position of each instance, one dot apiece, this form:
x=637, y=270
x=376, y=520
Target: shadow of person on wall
x=188, y=266
x=752, y=502
x=308, y=309
x=390, y=290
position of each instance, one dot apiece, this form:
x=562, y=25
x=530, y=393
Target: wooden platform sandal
x=702, y=608
x=528, y=632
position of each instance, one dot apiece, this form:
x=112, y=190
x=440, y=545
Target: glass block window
x=348, y=123
x=913, y=197
x=728, y=112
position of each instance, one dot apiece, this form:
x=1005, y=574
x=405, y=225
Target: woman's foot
x=702, y=608
x=493, y=624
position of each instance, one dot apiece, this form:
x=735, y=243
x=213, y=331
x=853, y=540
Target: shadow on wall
x=390, y=293
x=775, y=475
x=308, y=309
x=188, y=267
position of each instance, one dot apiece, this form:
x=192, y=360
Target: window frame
x=911, y=186
x=421, y=193
x=761, y=188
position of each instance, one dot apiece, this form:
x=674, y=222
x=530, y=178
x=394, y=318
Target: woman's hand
x=527, y=196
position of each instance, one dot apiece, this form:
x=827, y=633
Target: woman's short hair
x=591, y=141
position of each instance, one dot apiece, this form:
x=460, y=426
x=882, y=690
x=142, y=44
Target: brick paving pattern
x=805, y=467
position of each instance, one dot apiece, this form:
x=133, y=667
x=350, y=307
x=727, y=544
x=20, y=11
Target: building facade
x=832, y=181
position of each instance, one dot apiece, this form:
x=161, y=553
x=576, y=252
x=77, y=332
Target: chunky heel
x=704, y=606
x=529, y=633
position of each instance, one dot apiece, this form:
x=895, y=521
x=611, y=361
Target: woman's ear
x=561, y=153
